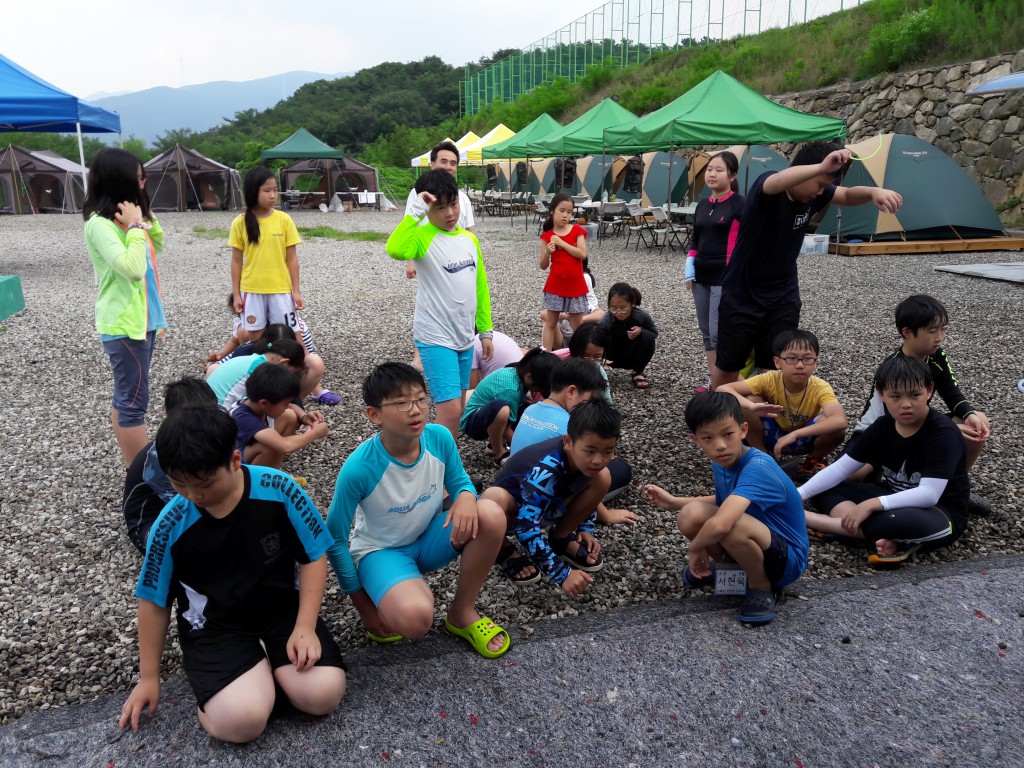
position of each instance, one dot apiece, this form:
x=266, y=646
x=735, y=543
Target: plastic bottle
x=604, y=195
x=686, y=201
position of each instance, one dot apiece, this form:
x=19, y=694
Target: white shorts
x=262, y=309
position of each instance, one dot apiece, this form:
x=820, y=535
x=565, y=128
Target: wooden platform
x=927, y=246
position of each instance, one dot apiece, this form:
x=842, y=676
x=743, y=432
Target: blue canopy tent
x=29, y=103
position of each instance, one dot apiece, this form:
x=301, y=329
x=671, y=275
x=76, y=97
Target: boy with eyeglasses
x=393, y=487
x=790, y=411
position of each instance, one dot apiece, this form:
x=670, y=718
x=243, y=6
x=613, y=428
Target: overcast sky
x=91, y=47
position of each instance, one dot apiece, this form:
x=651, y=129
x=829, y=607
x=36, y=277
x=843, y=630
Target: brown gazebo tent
x=39, y=182
x=182, y=179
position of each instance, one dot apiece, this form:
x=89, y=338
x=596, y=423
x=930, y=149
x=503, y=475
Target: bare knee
x=316, y=691
x=691, y=518
x=239, y=712
x=490, y=518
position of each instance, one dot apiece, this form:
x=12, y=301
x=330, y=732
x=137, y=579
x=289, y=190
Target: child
x=242, y=550
x=506, y=352
x=594, y=311
x=557, y=484
x=630, y=333
x=452, y=297
x=715, y=226
x=264, y=263
x=573, y=381
x=760, y=290
x=228, y=379
x=309, y=381
x=922, y=497
x=563, y=248
x=493, y=408
x=238, y=337
x=790, y=411
x=754, y=518
x=146, y=488
x=921, y=321
x=393, y=485
x=267, y=425
x=123, y=238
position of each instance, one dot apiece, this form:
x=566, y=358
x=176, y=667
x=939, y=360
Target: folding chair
x=666, y=230
x=641, y=227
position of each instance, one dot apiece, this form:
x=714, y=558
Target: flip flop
x=900, y=557
x=479, y=634
x=383, y=640
x=577, y=559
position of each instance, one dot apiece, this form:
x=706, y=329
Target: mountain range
x=155, y=111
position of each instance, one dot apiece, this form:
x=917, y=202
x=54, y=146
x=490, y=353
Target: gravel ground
x=67, y=616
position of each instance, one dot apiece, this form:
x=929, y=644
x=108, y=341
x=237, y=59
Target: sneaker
x=808, y=469
x=499, y=461
x=326, y=397
x=978, y=505
x=758, y=607
x=705, y=387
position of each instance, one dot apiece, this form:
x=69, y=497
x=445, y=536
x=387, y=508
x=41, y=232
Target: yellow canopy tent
x=473, y=154
x=423, y=161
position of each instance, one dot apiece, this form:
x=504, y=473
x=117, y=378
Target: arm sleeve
x=456, y=479
x=483, y=293
x=690, y=271
x=128, y=257
x=926, y=494
x=829, y=477
x=947, y=387
x=347, y=495
x=291, y=232
x=537, y=493
x=237, y=237
x=734, y=232
x=407, y=242
x=307, y=522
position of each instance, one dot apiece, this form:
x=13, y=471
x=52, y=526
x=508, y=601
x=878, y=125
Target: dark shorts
x=742, y=328
x=778, y=565
x=129, y=362
x=214, y=658
x=479, y=420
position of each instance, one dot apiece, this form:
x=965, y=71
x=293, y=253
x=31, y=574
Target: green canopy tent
x=302, y=145
x=720, y=110
x=753, y=160
x=940, y=201
x=584, y=135
x=543, y=125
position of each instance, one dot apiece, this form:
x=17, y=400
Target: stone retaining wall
x=982, y=133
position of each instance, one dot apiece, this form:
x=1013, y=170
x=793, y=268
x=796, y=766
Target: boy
x=922, y=497
x=573, y=381
x=452, y=299
x=760, y=290
x=557, y=484
x=393, y=485
x=267, y=425
x=146, y=488
x=790, y=411
x=754, y=518
x=921, y=322
x=227, y=548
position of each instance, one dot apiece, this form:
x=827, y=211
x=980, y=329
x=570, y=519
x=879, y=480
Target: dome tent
x=182, y=179
x=39, y=182
x=940, y=201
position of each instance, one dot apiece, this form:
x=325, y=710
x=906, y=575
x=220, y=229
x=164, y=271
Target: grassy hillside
x=874, y=38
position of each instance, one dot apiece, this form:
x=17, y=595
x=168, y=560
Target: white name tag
x=730, y=579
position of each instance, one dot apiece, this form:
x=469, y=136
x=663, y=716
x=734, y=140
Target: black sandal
x=577, y=557
x=640, y=381
x=511, y=563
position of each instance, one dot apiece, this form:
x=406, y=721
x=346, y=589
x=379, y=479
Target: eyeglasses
x=793, y=359
x=404, y=406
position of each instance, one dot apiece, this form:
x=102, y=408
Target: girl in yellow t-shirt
x=264, y=264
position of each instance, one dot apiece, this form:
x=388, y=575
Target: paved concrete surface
x=1010, y=272
x=920, y=667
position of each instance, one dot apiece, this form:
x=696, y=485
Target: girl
x=264, y=265
x=563, y=247
x=715, y=225
x=631, y=333
x=123, y=238
x=493, y=408
x=228, y=380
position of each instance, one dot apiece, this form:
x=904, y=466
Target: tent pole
x=81, y=158
x=746, y=176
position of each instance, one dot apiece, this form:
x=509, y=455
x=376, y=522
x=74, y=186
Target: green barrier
x=11, y=298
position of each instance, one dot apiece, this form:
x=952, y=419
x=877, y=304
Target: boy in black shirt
x=243, y=552
x=760, y=290
x=922, y=497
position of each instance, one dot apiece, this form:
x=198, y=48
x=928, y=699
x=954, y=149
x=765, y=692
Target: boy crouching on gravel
x=226, y=548
x=755, y=517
